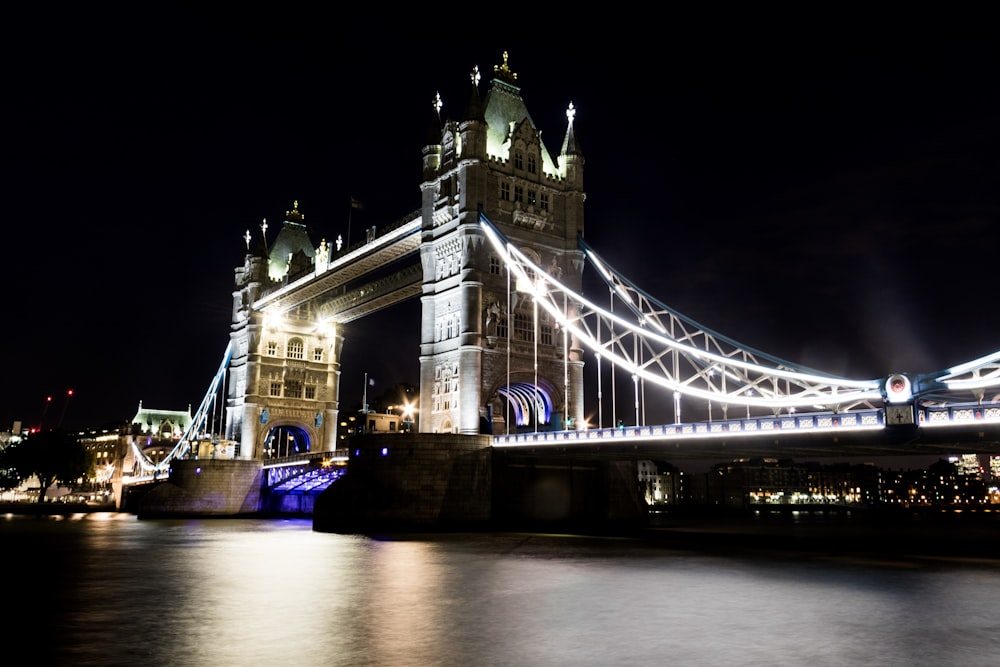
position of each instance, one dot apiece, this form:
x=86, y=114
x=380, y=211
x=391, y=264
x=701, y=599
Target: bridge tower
x=490, y=361
x=284, y=373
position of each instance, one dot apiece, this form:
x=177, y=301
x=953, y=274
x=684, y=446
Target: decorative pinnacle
x=246, y=237
x=437, y=103
x=294, y=213
x=475, y=75
x=570, y=113
x=504, y=72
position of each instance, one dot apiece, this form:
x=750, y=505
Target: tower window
x=531, y=197
x=272, y=348
x=275, y=389
x=295, y=349
x=505, y=191
x=532, y=168
x=494, y=265
x=518, y=160
x=518, y=193
x=523, y=328
x=317, y=354
x=544, y=201
x=545, y=334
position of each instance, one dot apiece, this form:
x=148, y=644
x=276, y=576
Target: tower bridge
x=496, y=253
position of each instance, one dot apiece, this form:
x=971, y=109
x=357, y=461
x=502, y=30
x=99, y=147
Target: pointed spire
x=474, y=109
x=434, y=127
x=570, y=145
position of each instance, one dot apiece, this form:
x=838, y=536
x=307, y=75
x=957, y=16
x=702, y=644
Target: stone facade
x=480, y=338
x=410, y=481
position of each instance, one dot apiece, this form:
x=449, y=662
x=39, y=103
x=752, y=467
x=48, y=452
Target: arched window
x=296, y=350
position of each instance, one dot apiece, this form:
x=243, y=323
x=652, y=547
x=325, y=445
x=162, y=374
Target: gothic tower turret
x=488, y=359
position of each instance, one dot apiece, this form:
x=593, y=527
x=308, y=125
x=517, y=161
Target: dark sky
x=819, y=190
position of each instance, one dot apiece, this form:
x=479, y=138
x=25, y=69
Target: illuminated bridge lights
x=871, y=419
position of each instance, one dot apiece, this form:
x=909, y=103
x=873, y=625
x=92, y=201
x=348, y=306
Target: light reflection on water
x=112, y=590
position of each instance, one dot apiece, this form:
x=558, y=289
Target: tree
x=52, y=456
x=9, y=476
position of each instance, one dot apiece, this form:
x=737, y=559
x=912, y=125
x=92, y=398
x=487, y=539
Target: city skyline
x=829, y=201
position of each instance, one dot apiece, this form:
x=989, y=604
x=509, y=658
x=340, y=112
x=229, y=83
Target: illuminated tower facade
x=284, y=373
x=490, y=361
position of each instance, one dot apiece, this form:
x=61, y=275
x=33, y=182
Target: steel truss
x=659, y=345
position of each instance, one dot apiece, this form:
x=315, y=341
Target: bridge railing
x=819, y=421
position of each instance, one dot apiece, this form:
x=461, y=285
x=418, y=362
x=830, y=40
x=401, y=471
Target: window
x=502, y=327
x=545, y=201
x=275, y=389
x=523, y=329
x=494, y=265
x=317, y=354
x=531, y=197
x=518, y=193
x=295, y=349
x=505, y=191
x=272, y=348
x=545, y=334
x=518, y=160
x=293, y=389
x=531, y=164
x=311, y=392
x=451, y=327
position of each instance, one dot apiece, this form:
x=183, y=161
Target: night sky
x=820, y=191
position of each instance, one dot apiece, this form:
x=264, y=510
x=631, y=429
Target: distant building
x=161, y=423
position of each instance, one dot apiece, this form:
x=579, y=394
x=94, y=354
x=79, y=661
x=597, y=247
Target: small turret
x=432, y=149
x=571, y=157
x=473, y=128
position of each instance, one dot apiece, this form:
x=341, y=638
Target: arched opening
x=530, y=405
x=285, y=440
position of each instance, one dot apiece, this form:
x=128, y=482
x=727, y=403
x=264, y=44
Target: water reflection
x=117, y=591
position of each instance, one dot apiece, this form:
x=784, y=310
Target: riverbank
x=50, y=509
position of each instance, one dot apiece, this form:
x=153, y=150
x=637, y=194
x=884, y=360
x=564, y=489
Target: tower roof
x=292, y=238
x=503, y=110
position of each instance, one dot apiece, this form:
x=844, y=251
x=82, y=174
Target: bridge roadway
x=967, y=429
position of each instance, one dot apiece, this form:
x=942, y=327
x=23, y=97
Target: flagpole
x=364, y=400
x=350, y=212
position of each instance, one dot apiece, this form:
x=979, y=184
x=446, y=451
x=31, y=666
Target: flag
x=356, y=204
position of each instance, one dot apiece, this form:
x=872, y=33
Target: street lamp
x=408, y=412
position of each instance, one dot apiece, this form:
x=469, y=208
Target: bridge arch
x=285, y=437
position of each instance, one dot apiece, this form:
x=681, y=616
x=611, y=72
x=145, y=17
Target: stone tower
x=284, y=371
x=490, y=361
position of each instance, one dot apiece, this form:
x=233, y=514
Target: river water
x=108, y=589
